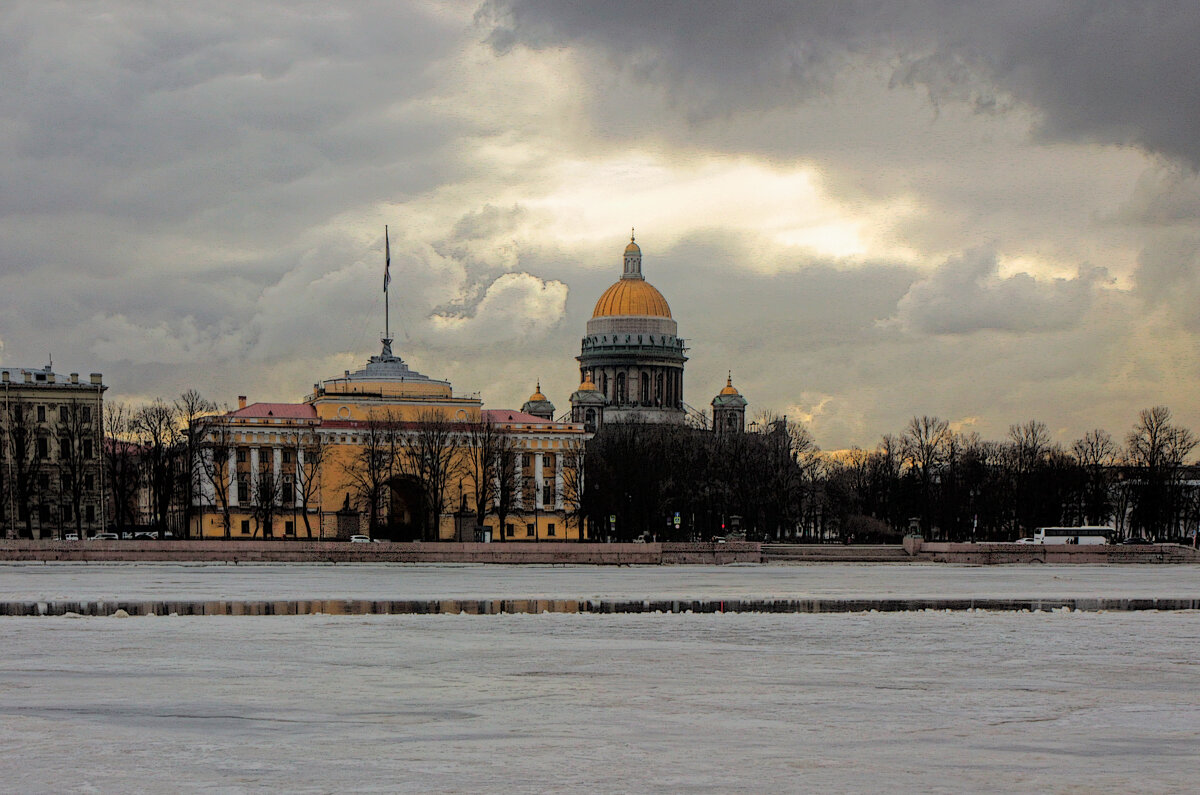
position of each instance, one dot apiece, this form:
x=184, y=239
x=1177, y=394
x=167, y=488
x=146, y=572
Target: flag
x=387, y=260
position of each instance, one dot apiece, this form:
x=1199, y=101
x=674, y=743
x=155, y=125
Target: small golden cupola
x=538, y=405
x=729, y=409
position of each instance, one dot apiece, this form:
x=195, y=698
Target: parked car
x=106, y=537
x=71, y=537
x=1136, y=541
x=360, y=539
x=1026, y=541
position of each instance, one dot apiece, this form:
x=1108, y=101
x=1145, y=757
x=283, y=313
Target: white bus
x=1072, y=535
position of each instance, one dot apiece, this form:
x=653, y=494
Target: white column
x=537, y=480
x=233, y=480
x=253, y=474
x=558, y=481
x=277, y=469
x=519, y=497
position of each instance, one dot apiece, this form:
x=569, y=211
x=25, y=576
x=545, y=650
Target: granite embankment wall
x=386, y=552
x=984, y=554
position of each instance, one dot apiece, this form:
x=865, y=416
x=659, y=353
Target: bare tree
x=76, y=456
x=486, y=444
x=924, y=449
x=574, y=470
x=311, y=451
x=22, y=435
x=373, y=465
x=215, y=443
x=1096, y=454
x=507, y=486
x=189, y=407
x=1157, y=450
x=156, y=428
x=431, y=456
x=266, y=495
x=121, y=468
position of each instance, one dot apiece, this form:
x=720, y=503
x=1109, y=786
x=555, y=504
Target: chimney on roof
x=4, y=376
x=28, y=377
x=74, y=378
x=49, y=377
x=96, y=377
x=241, y=401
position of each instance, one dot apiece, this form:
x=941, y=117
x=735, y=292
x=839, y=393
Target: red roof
x=512, y=415
x=286, y=411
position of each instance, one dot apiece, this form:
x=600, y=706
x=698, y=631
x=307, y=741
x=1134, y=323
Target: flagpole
x=387, y=278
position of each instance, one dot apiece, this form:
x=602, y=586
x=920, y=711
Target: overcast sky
x=987, y=211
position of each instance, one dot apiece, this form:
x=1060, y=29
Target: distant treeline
x=772, y=482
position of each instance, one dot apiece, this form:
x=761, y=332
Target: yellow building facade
x=389, y=453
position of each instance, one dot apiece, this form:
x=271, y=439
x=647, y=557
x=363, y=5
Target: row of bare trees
x=773, y=483
x=959, y=486
x=638, y=476
x=49, y=466
x=424, y=457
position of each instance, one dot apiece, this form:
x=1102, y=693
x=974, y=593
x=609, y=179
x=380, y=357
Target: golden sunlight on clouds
x=669, y=197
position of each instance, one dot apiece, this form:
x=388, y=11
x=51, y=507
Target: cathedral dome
x=632, y=297
x=729, y=389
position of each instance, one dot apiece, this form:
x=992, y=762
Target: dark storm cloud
x=1120, y=73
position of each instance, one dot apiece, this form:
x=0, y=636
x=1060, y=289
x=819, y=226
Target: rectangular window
x=509, y=530
x=43, y=483
x=530, y=531
x=87, y=413
x=243, y=491
x=245, y=527
x=43, y=447
x=87, y=448
x=64, y=448
x=287, y=456
x=44, y=514
x=90, y=513
x=289, y=528
x=89, y=482
x=41, y=413
x=550, y=529
x=241, y=455
x=527, y=460
x=548, y=493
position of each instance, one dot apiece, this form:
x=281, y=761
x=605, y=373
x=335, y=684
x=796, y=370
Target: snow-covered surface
x=896, y=702
x=104, y=581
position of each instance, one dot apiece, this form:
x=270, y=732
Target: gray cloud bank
x=194, y=195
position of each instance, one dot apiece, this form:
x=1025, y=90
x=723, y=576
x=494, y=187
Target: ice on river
x=898, y=702
x=174, y=581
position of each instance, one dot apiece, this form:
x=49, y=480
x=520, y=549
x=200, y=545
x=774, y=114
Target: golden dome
x=729, y=388
x=587, y=385
x=632, y=297
x=633, y=248
x=537, y=394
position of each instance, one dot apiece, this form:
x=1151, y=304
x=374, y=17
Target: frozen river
x=860, y=702
x=97, y=581
x=909, y=702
